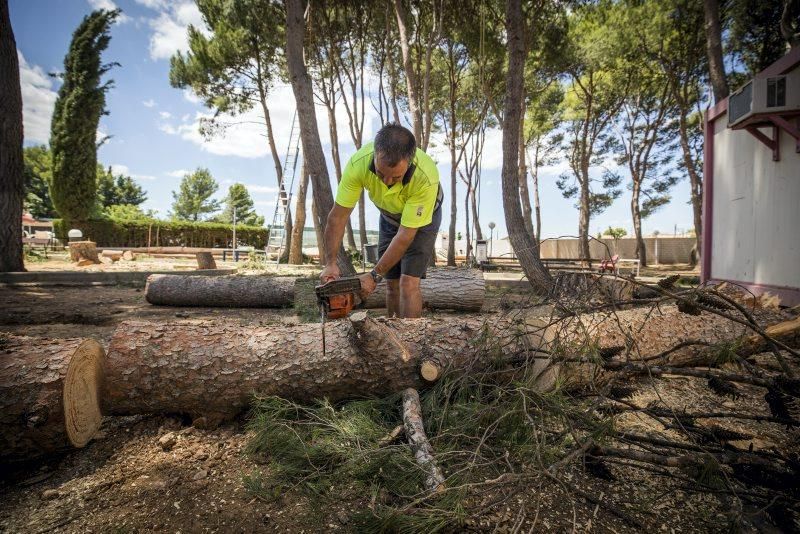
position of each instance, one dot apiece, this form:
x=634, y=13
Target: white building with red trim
x=751, y=174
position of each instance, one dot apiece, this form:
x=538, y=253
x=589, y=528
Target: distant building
x=751, y=173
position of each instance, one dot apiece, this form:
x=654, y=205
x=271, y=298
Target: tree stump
x=49, y=394
x=205, y=260
x=83, y=250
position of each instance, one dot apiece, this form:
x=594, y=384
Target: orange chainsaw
x=336, y=299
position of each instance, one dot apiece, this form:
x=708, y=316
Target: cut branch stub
x=418, y=440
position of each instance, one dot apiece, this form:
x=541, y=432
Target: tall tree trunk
x=337, y=165
x=583, y=216
x=276, y=160
x=536, y=205
x=12, y=185
x=526, y=250
x=716, y=66
x=466, y=222
x=296, y=249
x=523, y=175
x=408, y=67
x=319, y=229
x=312, y=147
x=362, y=220
x=641, y=249
x=451, y=245
x=475, y=216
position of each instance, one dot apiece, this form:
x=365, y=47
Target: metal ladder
x=277, y=231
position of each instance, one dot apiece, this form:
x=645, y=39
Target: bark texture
x=716, y=66
x=296, y=248
x=83, y=250
x=313, y=155
x=12, y=187
x=212, y=370
x=49, y=394
x=205, y=260
x=521, y=241
x=220, y=291
x=418, y=440
x=443, y=289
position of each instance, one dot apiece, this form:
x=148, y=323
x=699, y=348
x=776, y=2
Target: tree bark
x=205, y=260
x=478, y=231
x=408, y=66
x=636, y=214
x=523, y=176
x=337, y=164
x=536, y=205
x=212, y=370
x=312, y=147
x=716, y=65
x=296, y=249
x=220, y=291
x=418, y=440
x=522, y=242
x=444, y=289
x=49, y=394
x=695, y=182
x=83, y=250
x=12, y=184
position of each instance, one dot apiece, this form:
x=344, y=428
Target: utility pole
x=235, y=254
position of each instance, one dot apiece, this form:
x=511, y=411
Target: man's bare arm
x=400, y=243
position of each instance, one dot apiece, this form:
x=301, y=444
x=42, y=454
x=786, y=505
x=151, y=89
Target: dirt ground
x=154, y=474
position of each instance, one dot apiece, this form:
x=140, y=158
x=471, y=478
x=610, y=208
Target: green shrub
x=134, y=233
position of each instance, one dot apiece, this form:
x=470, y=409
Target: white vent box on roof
x=768, y=94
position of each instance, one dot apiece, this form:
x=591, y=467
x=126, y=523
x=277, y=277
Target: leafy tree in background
x=38, y=173
x=193, y=200
x=76, y=115
x=616, y=233
x=239, y=198
x=755, y=33
x=117, y=190
x=128, y=212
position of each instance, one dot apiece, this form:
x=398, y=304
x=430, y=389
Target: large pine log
x=49, y=394
x=452, y=289
x=212, y=370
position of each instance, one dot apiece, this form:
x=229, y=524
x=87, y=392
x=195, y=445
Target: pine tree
x=117, y=190
x=239, y=198
x=38, y=173
x=193, y=200
x=80, y=103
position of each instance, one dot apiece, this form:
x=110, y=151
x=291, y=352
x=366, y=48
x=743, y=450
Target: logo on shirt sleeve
x=419, y=211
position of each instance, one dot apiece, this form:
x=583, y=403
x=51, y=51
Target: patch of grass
x=33, y=255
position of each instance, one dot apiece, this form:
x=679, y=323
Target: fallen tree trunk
x=113, y=255
x=452, y=289
x=212, y=370
x=220, y=291
x=49, y=394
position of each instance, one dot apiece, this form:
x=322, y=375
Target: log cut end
x=82, y=386
x=430, y=370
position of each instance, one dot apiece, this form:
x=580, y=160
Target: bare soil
x=153, y=474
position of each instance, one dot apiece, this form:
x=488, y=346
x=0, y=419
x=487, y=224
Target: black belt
x=394, y=218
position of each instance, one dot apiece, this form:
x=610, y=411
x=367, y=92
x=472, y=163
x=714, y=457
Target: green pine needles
x=80, y=103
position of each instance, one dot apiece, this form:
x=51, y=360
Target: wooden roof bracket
x=778, y=123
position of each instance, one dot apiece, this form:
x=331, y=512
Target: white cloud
x=261, y=188
x=109, y=5
x=38, y=99
x=180, y=173
x=152, y=4
x=119, y=168
x=189, y=95
x=170, y=27
x=269, y=202
x=149, y=103
x=245, y=135
x=165, y=114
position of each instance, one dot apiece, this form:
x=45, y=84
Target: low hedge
x=118, y=233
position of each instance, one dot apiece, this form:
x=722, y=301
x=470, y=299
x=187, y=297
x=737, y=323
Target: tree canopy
x=192, y=201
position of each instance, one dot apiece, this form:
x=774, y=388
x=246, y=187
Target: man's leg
x=393, y=297
x=410, y=297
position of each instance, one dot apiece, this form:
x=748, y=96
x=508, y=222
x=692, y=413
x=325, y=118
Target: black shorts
x=415, y=261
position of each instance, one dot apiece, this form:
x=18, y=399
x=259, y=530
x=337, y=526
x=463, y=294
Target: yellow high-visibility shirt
x=410, y=202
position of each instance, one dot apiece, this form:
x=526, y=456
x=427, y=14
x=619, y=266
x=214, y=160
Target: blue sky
x=153, y=127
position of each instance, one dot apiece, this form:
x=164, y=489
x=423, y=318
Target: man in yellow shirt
x=403, y=182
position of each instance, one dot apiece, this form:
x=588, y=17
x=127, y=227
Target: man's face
x=390, y=175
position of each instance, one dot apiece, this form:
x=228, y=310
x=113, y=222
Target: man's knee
x=408, y=283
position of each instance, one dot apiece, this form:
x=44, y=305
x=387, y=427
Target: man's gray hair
x=394, y=143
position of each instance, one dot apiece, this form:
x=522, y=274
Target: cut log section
x=418, y=440
x=205, y=260
x=113, y=255
x=220, y=291
x=444, y=289
x=83, y=250
x=49, y=394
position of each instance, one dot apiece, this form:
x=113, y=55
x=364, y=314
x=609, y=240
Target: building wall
x=755, y=209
